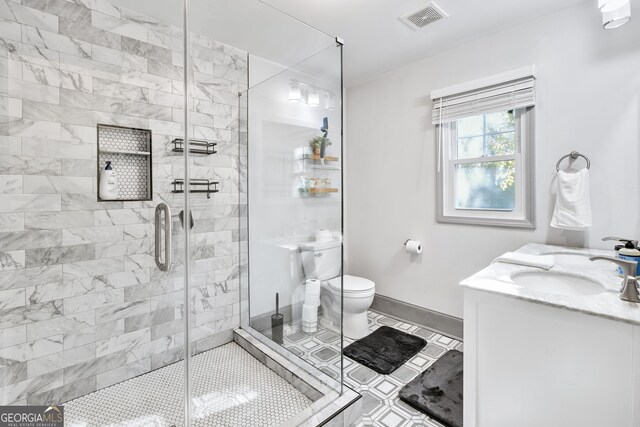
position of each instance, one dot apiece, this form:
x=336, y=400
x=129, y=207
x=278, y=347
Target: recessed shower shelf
x=196, y=146
x=129, y=152
x=196, y=186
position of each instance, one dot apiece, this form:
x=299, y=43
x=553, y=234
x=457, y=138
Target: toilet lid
x=352, y=284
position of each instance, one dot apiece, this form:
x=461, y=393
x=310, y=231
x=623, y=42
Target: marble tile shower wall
x=82, y=304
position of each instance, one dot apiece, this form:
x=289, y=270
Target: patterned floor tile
x=385, y=386
x=361, y=375
x=433, y=351
x=391, y=417
x=404, y=374
x=381, y=406
x=424, y=333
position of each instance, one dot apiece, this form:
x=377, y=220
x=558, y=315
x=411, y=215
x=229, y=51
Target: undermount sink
x=557, y=283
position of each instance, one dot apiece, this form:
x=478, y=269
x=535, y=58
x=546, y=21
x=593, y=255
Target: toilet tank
x=321, y=260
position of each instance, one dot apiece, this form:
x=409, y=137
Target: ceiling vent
x=424, y=16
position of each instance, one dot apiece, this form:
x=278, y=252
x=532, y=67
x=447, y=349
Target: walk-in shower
x=142, y=292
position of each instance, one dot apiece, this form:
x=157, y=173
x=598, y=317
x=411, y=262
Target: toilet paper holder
x=413, y=246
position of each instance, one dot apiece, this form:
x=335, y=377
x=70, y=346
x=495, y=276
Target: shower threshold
x=242, y=383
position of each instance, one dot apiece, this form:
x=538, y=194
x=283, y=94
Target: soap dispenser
x=108, y=183
x=628, y=251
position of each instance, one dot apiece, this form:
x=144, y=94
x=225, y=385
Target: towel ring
x=574, y=155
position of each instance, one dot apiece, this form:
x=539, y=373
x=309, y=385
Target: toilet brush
x=277, y=321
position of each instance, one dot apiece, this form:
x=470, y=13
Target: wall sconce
x=313, y=99
x=294, y=93
x=615, y=13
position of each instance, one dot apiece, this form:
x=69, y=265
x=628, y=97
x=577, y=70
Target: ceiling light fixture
x=327, y=101
x=615, y=13
x=294, y=93
x=313, y=99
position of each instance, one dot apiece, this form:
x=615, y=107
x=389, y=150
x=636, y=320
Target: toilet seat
x=352, y=285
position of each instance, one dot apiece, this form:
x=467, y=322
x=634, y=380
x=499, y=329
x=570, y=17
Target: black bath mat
x=438, y=391
x=385, y=349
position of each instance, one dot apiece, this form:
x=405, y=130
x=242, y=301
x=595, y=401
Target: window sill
x=491, y=222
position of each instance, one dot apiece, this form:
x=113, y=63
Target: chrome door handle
x=166, y=265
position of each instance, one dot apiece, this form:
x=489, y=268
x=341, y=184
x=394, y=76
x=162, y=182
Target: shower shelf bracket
x=197, y=186
x=196, y=146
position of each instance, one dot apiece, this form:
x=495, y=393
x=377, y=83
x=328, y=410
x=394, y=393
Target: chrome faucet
x=620, y=239
x=629, y=291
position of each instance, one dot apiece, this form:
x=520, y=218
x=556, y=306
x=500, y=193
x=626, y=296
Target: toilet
x=323, y=261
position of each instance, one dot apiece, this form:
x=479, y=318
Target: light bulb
x=294, y=93
x=313, y=99
x=611, y=5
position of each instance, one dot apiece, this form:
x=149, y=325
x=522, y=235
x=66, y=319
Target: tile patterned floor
x=230, y=386
x=381, y=406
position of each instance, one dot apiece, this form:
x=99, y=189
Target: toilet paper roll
x=309, y=313
x=324, y=236
x=312, y=287
x=413, y=246
x=312, y=300
x=312, y=294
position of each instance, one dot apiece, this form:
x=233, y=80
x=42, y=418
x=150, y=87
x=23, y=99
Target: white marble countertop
x=497, y=279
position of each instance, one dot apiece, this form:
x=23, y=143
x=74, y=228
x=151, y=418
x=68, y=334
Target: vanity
x=550, y=347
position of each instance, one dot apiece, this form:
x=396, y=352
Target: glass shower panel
x=89, y=110
x=295, y=201
x=219, y=388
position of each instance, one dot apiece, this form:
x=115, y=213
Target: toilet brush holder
x=277, y=323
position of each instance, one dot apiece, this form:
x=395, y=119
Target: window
x=485, y=173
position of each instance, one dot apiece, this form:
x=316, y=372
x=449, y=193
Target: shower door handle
x=166, y=265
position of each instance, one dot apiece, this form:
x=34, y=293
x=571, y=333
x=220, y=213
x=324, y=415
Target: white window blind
x=484, y=96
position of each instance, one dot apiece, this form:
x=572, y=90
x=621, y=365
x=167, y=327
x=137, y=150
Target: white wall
x=587, y=99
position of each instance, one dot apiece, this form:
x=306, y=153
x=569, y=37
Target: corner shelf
x=316, y=157
x=205, y=146
x=323, y=190
x=317, y=192
x=315, y=162
x=325, y=167
x=129, y=151
x=178, y=186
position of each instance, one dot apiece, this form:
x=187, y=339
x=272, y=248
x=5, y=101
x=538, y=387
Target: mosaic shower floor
x=230, y=388
x=381, y=405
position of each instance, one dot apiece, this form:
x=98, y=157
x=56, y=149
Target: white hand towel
x=573, y=202
x=539, y=261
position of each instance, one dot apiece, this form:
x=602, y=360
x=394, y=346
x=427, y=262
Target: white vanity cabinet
x=532, y=361
x=530, y=365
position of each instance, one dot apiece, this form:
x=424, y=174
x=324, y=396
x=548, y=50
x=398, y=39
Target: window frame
x=523, y=213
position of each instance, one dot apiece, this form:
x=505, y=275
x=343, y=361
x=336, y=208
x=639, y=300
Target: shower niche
x=129, y=152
